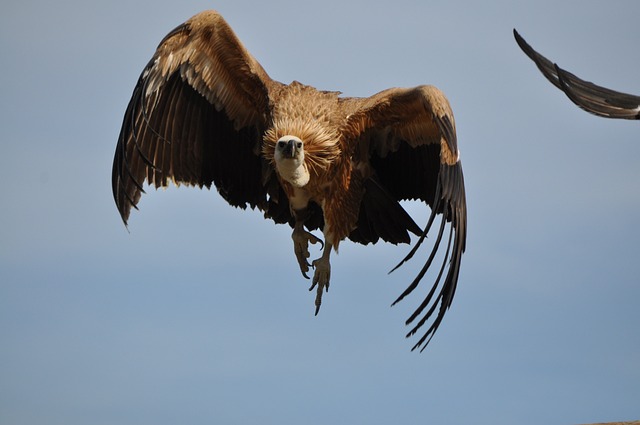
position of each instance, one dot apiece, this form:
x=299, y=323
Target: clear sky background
x=199, y=314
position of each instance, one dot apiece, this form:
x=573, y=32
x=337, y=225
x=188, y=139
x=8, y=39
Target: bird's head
x=289, y=147
x=289, y=159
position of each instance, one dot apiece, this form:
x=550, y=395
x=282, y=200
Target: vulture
x=592, y=98
x=204, y=112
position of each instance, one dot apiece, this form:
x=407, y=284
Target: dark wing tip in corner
x=545, y=66
x=594, y=99
x=598, y=100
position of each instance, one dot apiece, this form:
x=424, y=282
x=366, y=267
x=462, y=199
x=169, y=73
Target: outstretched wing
x=196, y=117
x=592, y=98
x=408, y=140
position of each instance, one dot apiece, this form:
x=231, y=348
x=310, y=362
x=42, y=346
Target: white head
x=289, y=158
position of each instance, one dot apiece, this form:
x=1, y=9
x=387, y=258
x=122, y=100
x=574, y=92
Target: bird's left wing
x=196, y=117
x=410, y=140
x=592, y=98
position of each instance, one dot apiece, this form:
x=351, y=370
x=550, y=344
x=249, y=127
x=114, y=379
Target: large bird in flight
x=205, y=112
x=592, y=98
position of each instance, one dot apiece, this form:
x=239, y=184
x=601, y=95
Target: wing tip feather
x=451, y=205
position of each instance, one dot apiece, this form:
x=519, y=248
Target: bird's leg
x=322, y=274
x=301, y=239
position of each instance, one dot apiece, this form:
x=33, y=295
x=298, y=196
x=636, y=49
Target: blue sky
x=199, y=313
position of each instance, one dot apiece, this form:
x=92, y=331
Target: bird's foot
x=301, y=240
x=321, y=277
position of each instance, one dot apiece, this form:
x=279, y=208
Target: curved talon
x=321, y=278
x=313, y=239
x=318, y=240
x=318, y=300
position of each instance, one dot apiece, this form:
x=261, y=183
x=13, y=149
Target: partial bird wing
x=410, y=140
x=588, y=96
x=196, y=117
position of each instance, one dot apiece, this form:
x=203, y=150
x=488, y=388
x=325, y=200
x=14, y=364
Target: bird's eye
x=299, y=145
x=281, y=144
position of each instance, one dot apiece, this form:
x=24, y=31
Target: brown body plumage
x=205, y=112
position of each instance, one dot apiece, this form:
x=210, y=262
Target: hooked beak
x=289, y=150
